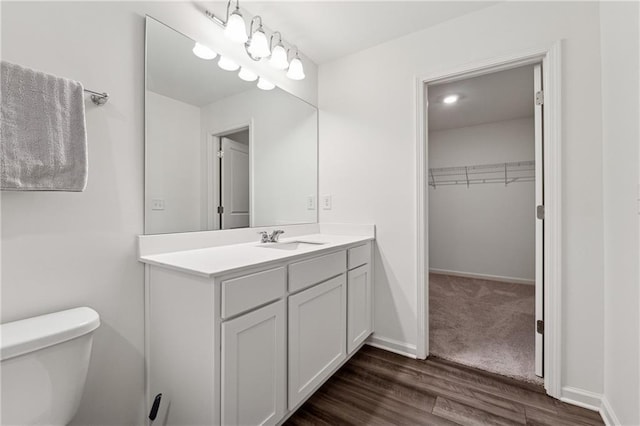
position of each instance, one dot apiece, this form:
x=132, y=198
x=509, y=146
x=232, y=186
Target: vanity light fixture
x=203, y=52
x=296, y=70
x=278, y=59
x=227, y=64
x=451, y=99
x=265, y=84
x=257, y=46
x=247, y=75
x=234, y=27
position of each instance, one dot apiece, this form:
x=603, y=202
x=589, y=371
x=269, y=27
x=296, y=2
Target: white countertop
x=213, y=261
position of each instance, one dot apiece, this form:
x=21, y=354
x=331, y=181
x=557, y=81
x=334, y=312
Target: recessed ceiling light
x=451, y=99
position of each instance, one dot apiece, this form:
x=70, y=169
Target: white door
x=254, y=367
x=359, y=319
x=234, y=182
x=317, y=336
x=539, y=325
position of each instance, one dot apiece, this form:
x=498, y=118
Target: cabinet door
x=317, y=336
x=359, y=301
x=254, y=367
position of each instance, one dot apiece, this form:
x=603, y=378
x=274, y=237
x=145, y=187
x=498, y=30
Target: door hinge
x=220, y=209
x=540, y=97
x=540, y=326
x=220, y=154
x=540, y=212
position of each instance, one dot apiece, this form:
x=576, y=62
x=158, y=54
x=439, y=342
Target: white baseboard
x=609, y=417
x=400, y=348
x=591, y=401
x=581, y=398
x=483, y=276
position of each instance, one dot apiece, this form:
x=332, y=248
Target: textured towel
x=43, y=139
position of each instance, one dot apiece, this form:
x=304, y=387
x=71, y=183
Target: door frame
x=550, y=56
x=212, y=181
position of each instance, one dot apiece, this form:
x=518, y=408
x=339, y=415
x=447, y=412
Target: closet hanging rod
x=97, y=97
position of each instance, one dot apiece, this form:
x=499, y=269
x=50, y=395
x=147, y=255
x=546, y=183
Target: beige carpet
x=483, y=324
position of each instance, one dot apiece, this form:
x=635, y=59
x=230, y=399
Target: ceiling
x=327, y=30
x=504, y=95
x=174, y=71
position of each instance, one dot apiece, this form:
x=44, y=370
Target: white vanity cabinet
x=317, y=322
x=317, y=336
x=254, y=367
x=253, y=382
x=359, y=297
x=249, y=346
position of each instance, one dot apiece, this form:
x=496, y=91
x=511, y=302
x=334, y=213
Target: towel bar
x=97, y=97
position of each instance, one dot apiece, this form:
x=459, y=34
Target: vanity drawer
x=247, y=292
x=359, y=255
x=309, y=272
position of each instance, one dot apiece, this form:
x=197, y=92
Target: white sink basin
x=290, y=245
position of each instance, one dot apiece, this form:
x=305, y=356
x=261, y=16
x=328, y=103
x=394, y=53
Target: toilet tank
x=44, y=364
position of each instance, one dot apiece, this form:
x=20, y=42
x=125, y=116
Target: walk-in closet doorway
x=485, y=242
x=483, y=233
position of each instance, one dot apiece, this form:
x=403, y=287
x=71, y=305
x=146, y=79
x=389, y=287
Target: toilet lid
x=31, y=334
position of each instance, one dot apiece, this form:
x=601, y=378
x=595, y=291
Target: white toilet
x=44, y=366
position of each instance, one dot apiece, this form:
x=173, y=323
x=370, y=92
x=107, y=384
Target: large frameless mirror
x=222, y=153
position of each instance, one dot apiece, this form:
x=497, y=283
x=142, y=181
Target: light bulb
x=265, y=84
x=259, y=46
x=451, y=99
x=279, y=58
x=203, y=52
x=227, y=64
x=247, y=75
x=235, y=29
x=296, y=71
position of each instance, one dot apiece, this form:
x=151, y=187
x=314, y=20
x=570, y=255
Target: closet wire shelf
x=506, y=173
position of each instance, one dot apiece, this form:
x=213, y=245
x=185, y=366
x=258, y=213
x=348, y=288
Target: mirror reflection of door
x=234, y=183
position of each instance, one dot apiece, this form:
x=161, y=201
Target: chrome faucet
x=275, y=235
x=265, y=237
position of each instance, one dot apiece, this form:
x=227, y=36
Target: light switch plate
x=311, y=202
x=326, y=202
x=157, y=204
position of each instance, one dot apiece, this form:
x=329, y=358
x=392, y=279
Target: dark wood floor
x=379, y=387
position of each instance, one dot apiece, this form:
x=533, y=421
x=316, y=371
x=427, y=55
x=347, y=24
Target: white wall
x=488, y=229
x=620, y=134
x=173, y=165
x=368, y=145
x=283, y=151
x=70, y=249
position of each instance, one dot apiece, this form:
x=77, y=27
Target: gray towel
x=43, y=138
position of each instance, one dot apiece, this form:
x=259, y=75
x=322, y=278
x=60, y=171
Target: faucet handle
x=275, y=235
x=264, y=236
